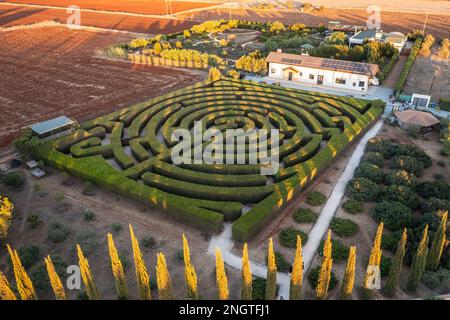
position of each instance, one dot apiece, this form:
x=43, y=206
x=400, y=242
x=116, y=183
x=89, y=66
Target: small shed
x=32, y=164
x=50, y=127
x=416, y=118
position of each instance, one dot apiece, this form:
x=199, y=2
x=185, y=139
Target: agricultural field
x=157, y=7
x=131, y=150
x=70, y=80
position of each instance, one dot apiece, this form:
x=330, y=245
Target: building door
x=319, y=79
x=290, y=76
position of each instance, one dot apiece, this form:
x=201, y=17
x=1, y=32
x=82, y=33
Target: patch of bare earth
x=52, y=71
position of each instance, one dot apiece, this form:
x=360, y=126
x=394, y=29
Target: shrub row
x=408, y=65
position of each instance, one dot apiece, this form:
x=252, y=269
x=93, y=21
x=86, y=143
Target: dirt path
x=395, y=72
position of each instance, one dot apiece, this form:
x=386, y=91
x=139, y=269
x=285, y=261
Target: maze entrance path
x=129, y=151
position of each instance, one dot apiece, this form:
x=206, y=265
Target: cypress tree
x=117, y=269
x=6, y=213
x=5, y=290
x=349, y=276
x=271, y=283
x=163, y=279
x=297, y=273
x=246, y=292
x=323, y=281
x=419, y=262
x=396, y=268
x=55, y=281
x=87, y=276
x=375, y=259
x=437, y=245
x=190, y=277
x=221, y=277
x=23, y=281
x=143, y=280
x=214, y=74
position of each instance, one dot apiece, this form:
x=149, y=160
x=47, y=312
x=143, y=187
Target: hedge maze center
x=129, y=151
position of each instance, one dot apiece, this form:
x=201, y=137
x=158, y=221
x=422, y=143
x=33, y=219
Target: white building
x=396, y=39
x=338, y=74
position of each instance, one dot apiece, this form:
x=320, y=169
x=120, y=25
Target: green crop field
x=129, y=151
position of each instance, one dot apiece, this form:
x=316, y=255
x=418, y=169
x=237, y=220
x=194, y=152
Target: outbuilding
x=414, y=118
x=52, y=127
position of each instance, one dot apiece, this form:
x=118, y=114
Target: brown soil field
x=135, y=6
x=438, y=25
x=12, y=15
x=47, y=72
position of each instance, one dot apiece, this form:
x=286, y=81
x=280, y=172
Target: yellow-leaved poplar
x=87, y=276
x=6, y=292
x=297, y=272
x=271, y=283
x=349, y=275
x=23, y=281
x=190, y=277
x=163, y=279
x=323, y=281
x=221, y=277
x=143, y=279
x=246, y=292
x=55, y=281
x=117, y=269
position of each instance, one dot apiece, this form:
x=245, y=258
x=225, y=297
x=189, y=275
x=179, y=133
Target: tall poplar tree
x=349, y=276
x=163, y=279
x=419, y=262
x=247, y=290
x=143, y=280
x=295, y=288
x=323, y=281
x=271, y=282
x=87, y=276
x=221, y=277
x=396, y=268
x=117, y=269
x=23, y=281
x=190, y=277
x=437, y=245
x=6, y=292
x=373, y=267
x=55, y=281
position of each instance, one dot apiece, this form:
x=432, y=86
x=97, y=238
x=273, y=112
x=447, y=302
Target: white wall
x=328, y=80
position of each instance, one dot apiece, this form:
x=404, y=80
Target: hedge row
x=160, y=61
x=408, y=65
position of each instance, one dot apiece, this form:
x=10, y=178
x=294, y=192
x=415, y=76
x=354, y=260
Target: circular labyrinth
x=137, y=143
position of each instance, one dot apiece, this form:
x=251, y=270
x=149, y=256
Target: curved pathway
x=224, y=241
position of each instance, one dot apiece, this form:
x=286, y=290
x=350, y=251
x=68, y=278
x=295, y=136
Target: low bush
x=57, y=232
x=282, y=264
x=436, y=279
x=288, y=237
x=344, y=227
x=434, y=189
x=14, y=179
x=369, y=171
x=316, y=198
x=339, y=250
x=375, y=158
x=385, y=266
x=393, y=214
x=400, y=177
x=408, y=65
x=400, y=194
x=362, y=189
x=407, y=163
x=117, y=227
x=33, y=221
x=434, y=205
x=89, y=189
x=29, y=255
x=313, y=276
x=259, y=288
x=305, y=215
x=389, y=242
x=353, y=206
x=88, y=240
x=88, y=215
x=148, y=242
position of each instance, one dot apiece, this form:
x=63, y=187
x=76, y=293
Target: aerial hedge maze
x=129, y=151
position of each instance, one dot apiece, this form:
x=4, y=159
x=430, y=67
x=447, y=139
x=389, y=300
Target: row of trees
x=253, y=62
x=424, y=258
x=214, y=26
x=444, y=49
x=426, y=45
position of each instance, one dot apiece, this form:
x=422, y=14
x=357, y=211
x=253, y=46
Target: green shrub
x=34, y=221
x=393, y=214
x=408, y=65
x=436, y=279
x=57, y=232
x=353, y=206
x=369, y=171
x=339, y=250
x=288, y=237
x=400, y=194
x=344, y=227
x=29, y=255
x=259, y=288
x=282, y=264
x=14, y=179
x=88, y=240
x=362, y=189
x=389, y=242
x=407, y=163
x=316, y=198
x=434, y=189
x=89, y=189
x=305, y=215
x=88, y=215
x=148, y=242
x=434, y=205
x=117, y=227
x=375, y=158
x=385, y=147
x=313, y=276
x=400, y=177
x=444, y=104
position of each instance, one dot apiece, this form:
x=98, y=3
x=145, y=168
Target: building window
x=300, y=74
x=311, y=77
x=354, y=84
x=362, y=83
x=273, y=70
x=341, y=80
